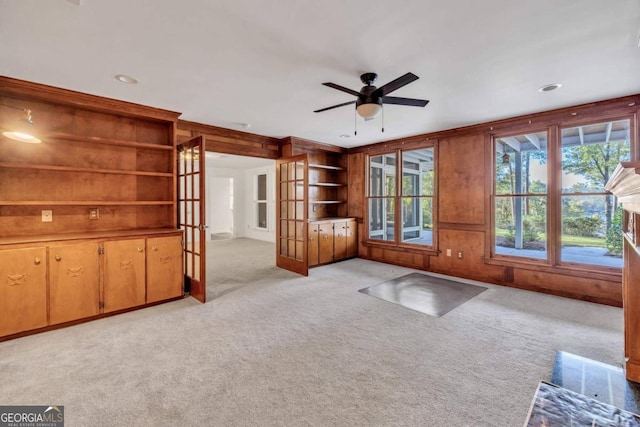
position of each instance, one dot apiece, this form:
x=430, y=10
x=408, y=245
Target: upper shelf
x=335, y=168
x=88, y=170
x=105, y=141
x=625, y=184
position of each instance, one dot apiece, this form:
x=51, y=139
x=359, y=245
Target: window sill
x=582, y=270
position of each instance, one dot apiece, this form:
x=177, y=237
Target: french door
x=191, y=214
x=291, y=225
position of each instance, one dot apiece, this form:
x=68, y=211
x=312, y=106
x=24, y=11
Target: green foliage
x=530, y=230
x=581, y=226
x=614, y=234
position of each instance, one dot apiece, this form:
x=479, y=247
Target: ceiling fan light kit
x=369, y=101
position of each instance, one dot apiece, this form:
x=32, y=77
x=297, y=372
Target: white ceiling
x=228, y=62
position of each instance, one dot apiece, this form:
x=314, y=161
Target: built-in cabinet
x=313, y=206
x=88, y=217
x=332, y=240
x=63, y=281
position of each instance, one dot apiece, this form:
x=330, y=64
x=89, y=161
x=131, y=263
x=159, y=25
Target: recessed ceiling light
x=550, y=87
x=126, y=79
x=345, y=136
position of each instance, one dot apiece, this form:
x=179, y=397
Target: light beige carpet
x=285, y=350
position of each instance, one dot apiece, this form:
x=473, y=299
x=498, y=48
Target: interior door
x=191, y=215
x=291, y=225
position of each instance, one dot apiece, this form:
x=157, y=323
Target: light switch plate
x=47, y=216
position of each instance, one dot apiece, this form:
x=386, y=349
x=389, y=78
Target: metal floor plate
x=426, y=294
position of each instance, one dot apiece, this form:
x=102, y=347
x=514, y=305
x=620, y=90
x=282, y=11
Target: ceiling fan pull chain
x=382, y=105
x=355, y=122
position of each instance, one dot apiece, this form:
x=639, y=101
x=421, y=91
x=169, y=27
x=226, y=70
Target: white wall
x=221, y=204
x=214, y=196
x=244, y=216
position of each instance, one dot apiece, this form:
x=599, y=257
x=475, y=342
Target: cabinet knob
x=154, y=248
x=311, y=239
x=58, y=257
x=36, y=261
x=140, y=250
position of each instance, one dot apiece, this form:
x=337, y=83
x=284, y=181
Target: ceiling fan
x=370, y=98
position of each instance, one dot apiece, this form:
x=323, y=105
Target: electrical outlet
x=459, y=254
x=448, y=252
x=47, y=216
x=94, y=213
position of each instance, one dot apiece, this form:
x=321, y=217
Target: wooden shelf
x=84, y=203
x=86, y=170
x=326, y=202
x=326, y=184
x=317, y=166
x=105, y=141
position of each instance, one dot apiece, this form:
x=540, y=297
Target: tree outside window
x=588, y=218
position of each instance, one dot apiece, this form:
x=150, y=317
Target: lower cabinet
x=62, y=282
x=124, y=274
x=23, y=289
x=332, y=240
x=164, y=268
x=74, y=287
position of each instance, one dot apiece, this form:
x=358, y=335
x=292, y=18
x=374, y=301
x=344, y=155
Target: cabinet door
x=23, y=290
x=352, y=238
x=325, y=233
x=124, y=274
x=313, y=248
x=73, y=287
x=340, y=240
x=164, y=268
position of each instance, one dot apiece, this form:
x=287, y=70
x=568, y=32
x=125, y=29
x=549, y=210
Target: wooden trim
x=312, y=145
x=584, y=270
x=626, y=105
x=36, y=91
x=94, y=235
x=461, y=226
x=402, y=247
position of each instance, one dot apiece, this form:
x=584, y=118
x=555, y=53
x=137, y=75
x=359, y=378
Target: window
x=261, y=201
x=405, y=205
x=521, y=198
x=590, y=228
x=585, y=217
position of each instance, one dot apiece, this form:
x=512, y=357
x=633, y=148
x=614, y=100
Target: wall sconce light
x=505, y=158
x=23, y=133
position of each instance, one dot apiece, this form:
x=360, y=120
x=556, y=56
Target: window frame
x=257, y=201
x=554, y=193
x=398, y=197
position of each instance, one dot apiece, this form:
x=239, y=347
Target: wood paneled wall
x=230, y=141
x=464, y=186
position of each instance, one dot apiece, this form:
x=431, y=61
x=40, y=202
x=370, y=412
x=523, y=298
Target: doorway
x=241, y=218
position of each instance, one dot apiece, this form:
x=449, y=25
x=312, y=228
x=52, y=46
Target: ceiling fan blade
x=404, y=101
x=342, y=88
x=334, y=106
x=395, y=84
